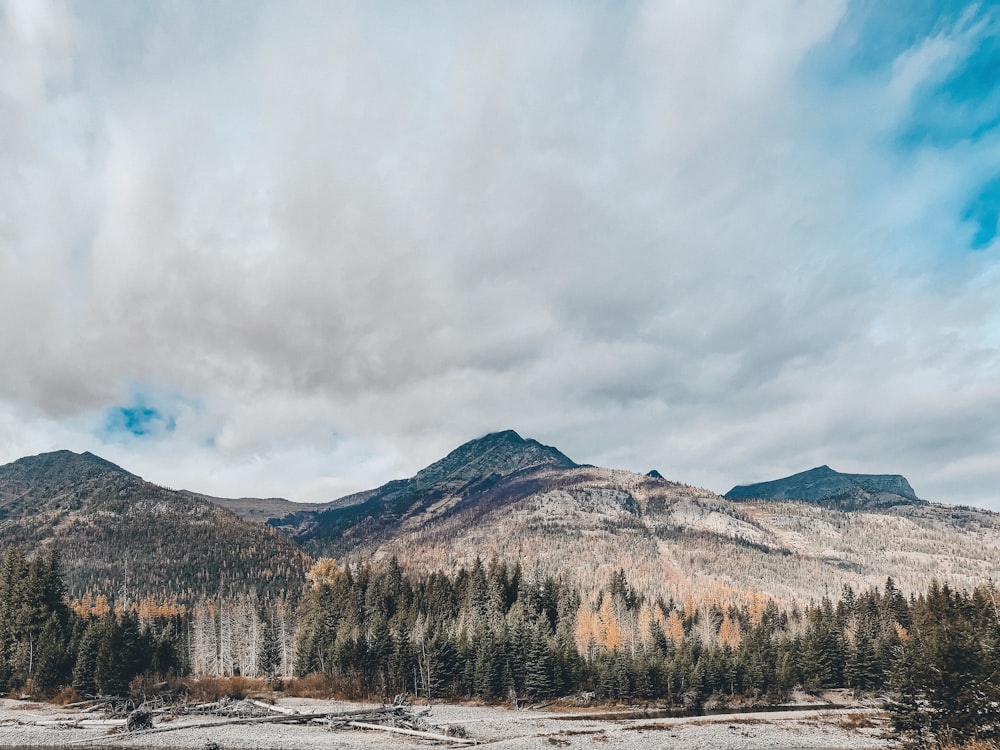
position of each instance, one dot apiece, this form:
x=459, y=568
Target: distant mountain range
x=510, y=498
x=828, y=487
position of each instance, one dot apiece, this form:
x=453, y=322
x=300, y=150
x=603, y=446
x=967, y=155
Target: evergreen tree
x=51, y=666
x=402, y=664
x=86, y=658
x=109, y=677
x=539, y=665
x=269, y=656
x=861, y=668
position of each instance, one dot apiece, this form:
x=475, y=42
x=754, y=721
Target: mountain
x=108, y=523
x=443, y=488
x=504, y=497
x=53, y=482
x=508, y=498
x=827, y=487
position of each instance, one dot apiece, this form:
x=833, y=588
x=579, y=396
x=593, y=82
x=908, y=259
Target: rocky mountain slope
x=504, y=497
x=509, y=498
x=461, y=479
x=108, y=523
x=687, y=543
x=831, y=488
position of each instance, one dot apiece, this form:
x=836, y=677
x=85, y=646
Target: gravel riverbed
x=28, y=724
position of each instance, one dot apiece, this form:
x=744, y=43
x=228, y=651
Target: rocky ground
x=40, y=725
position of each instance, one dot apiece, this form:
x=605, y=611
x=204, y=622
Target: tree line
x=45, y=645
x=492, y=632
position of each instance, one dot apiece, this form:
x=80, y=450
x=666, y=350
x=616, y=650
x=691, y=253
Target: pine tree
x=51, y=659
x=108, y=677
x=489, y=673
x=269, y=655
x=402, y=664
x=861, y=668
x=539, y=663
x=86, y=658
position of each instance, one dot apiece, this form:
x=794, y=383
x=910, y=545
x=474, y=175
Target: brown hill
x=108, y=523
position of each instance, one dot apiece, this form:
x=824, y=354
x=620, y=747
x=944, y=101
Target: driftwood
x=413, y=733
x=271, y=707
x=82, y=704
x=397, y=719
x=298, y=718
x=79, y=723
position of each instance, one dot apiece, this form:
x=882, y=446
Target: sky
x=299, y=249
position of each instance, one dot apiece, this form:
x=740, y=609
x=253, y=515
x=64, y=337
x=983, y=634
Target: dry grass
x=856, y=721
x=974, y=745
x=318, y=685
x=312, y=686
x=65, y=696
x=207, y=689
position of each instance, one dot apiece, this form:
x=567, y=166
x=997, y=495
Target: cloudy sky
x=301, y=249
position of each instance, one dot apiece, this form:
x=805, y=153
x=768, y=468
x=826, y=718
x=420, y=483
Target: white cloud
x=357, y=235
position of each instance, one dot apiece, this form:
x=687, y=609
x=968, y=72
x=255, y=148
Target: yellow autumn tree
x=644, y=624
x=101, y=606
x=611, y=632
x=587, y=630
x=324, y=572
x=690, y=608
x=83, y=605
x=757, y=607
x=675, y=627
x=729, y=632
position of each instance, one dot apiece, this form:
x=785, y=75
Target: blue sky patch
x=964, y=106
x=873, y=34
x=140, y=419
x=984, y=212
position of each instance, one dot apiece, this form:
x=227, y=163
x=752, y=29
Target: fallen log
x=300, y=718
x=272, y=707
x=413, y=733
x=79, y=723
x=341, y=719
x=81, y=704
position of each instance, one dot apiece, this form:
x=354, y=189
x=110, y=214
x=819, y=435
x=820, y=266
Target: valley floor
x=25, y=724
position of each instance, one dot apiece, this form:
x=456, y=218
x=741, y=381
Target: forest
x=491, y=632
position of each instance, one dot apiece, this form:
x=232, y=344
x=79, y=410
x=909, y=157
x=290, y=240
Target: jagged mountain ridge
x=104, y=520
x=832, y=488
x=456, y=480
x=514, y=499
x=585, y=522
x=683, y=542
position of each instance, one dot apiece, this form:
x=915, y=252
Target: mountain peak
x=496, y=453
x=827, y=486
x=56, y=482
x=61, y=464
x=460, y=478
